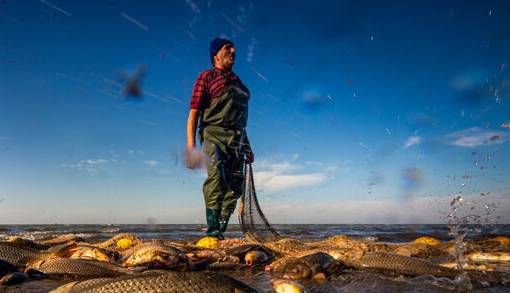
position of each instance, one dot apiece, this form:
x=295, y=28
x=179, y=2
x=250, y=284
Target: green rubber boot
x=223, y=222
x=213, y=225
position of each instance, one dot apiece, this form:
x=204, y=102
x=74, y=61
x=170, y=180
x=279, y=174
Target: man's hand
x=195, y=158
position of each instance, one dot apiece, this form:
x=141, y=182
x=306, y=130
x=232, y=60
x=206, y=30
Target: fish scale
x=192, y=282
x=80, y=267
x=404, y=264
x=20, y=256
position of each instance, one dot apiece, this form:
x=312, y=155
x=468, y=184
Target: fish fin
x=320, y=277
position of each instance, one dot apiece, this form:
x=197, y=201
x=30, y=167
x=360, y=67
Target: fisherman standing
x=219, y=106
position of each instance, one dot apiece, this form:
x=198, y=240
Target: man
x=220, y=104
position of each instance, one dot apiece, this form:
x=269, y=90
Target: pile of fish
x=126, y=263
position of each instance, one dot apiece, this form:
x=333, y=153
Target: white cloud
x=95, y=162
x=280, y=176
x=412, y=140
x=475, y=136
x=89, y=165
x=273, y=181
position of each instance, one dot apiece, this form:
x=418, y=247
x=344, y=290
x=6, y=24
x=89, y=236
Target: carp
x=20, y=256
x=489, y=256
x=156, y=256
x=253, y=254
x=226, y=266
x=286, y=247
x=255, y=257
x=213, y=255
x=191, y=282
x=21, y=242
x=398, y=263
x=467, y=266
x=81, y=267
x=306, y=267
x=93, y=252
x=13, y=278
x=6, y=267
x=420, y=250
x=342, y=241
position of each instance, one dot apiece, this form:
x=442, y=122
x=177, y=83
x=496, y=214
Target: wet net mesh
x=253, y=222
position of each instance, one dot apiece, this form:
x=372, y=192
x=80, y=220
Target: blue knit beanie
x=216, y=45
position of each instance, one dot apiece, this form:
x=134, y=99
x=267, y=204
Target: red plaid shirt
x=209, y=86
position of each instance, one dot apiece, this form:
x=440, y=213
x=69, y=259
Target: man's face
x=225, y=57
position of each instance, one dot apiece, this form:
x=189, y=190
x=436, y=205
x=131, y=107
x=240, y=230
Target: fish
x=230, y=243
x=156, y=256
x=170, y=282
x=21, y=242
x=13, y=278
x=398, y=263
x=306, y=267
x=255, y=257
x=421, y=250
x=241, y=250
x=252, y=254
x=286, y=247
x=342, y=241
x=288, y=286
x=468, y=266
x=489, y=256
x=6, y=268
x=92, y=252
x=214, y=255
x=81, y=267
x=21, y=256
x=226, y=266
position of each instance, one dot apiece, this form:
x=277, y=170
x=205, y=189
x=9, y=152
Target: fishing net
x=253, y=222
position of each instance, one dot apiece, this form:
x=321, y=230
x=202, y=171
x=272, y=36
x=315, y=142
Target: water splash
x=457, y=226
x=465, y=217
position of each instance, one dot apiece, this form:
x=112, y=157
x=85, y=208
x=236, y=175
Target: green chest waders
x=222, y=127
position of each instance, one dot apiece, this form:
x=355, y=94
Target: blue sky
x=360, y=112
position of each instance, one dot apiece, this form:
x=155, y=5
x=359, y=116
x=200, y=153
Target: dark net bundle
x=254, y=224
